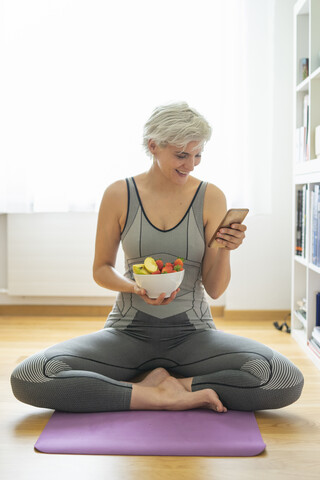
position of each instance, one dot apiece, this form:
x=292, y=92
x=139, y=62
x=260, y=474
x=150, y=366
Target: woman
x=185, y=362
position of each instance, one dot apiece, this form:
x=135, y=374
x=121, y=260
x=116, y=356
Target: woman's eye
x=182, y=157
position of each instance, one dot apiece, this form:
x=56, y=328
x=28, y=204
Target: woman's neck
x=156, y=181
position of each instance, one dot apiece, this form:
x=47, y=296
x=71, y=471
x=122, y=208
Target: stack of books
x=302, y=134
x=314, y=342
x=315, y=225
x=301, y=215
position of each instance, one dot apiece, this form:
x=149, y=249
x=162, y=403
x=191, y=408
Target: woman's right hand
x=155, y=301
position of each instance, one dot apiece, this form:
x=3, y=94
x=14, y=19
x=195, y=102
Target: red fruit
x=178, y=268
x=166, y=270
x=160, y=264
x=156, y=272
x=178, y=261
x=169, y=265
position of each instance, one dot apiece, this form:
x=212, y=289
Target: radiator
x=51, y=254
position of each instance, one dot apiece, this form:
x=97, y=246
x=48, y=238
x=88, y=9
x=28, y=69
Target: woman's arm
x=216, y=272
x=111, y=217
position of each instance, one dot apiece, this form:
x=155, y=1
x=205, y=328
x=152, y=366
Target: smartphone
x=234, y=215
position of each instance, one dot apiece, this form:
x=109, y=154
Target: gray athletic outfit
x=87, y=373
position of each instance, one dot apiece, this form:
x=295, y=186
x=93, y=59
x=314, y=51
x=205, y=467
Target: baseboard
x=217, y=311
x=104, y=310
x=257, y=315
x=70, y=310
x=56, y=310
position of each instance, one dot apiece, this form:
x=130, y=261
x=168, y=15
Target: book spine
x=315, y=341
x=314, y=224
x=314, y=348
x=304, y=221
x=318, y=229
x=299, y=223
x=316, y=336
x=307, y=135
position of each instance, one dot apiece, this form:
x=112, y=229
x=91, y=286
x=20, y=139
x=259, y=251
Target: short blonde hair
x=176, y=124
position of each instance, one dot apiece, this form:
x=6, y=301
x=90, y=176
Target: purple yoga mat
x=188, y=433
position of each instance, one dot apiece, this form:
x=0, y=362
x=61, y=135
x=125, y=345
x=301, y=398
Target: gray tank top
x=140, y=239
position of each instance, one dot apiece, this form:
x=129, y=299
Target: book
x=299, y=223
x=315, y=344
x=315, y=212
x=301, y=217
x=303, y=68
x=316, y=334
x=304, y=219
x=307, y=136
x=314, y=348
x=318, y=234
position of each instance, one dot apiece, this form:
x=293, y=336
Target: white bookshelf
x=306, y=171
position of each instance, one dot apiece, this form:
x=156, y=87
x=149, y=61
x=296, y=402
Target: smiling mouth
x=182, y=173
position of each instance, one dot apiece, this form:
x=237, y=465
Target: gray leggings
x=87, y=373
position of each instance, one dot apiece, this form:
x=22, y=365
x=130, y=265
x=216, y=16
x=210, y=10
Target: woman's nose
x=189, y=163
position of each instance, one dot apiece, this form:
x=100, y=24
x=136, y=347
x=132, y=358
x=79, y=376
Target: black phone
x=234, y=215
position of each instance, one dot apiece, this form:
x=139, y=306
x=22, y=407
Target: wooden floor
x=292, y=434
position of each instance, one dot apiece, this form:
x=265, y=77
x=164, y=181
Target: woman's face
x=174, y=163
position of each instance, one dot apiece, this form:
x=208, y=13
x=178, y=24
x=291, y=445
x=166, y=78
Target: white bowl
x=160, y=283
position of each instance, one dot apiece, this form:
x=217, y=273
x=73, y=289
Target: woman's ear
x=152, y=146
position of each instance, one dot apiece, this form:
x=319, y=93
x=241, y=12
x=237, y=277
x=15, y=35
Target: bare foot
x=170, y=394
x=154, y=378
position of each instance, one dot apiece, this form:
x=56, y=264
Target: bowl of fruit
x=157, y=277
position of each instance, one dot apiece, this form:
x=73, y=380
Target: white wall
x=261, y=270
x=261, y=267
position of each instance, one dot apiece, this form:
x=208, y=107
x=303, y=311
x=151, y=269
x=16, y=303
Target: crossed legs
x=161, y=391
x=215, y=370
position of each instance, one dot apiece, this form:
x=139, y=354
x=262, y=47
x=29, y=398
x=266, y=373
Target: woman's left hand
x=231, y=238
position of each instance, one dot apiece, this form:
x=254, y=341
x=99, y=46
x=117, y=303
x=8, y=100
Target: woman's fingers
x=139, y=291
x=172, y=297
x=161, y=300
x=232, y=237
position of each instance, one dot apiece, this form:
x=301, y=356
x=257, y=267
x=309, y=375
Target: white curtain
x=80, y=78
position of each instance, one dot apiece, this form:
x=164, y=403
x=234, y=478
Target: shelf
x=311, y=166
x=307, y=172
x=301, y=319
x=304, y=262
x=300, y=260
x=305, y=282
x=314, y=268
x=315, y=74
x=303, y=86
x=313, y=356
x=302, y=7
x=300, y=337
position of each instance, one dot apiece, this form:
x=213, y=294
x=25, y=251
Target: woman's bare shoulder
x=115, y=191
x=215, y=203
x=214, y=193
x=115, y=197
